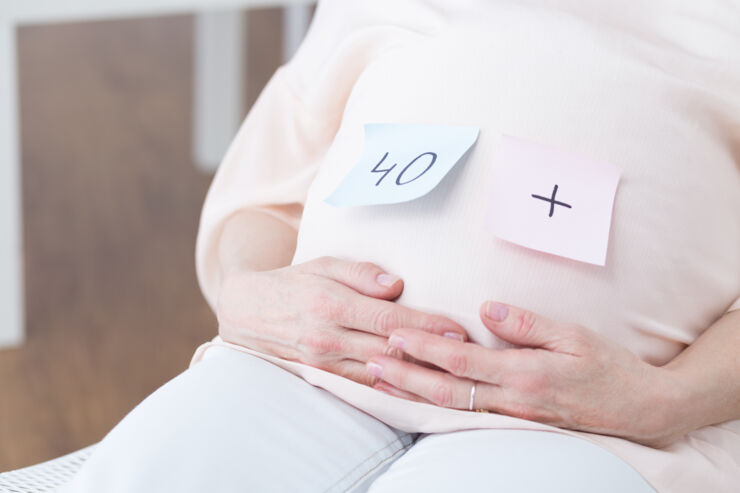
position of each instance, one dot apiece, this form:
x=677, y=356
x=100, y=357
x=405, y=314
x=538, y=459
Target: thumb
x=364, y=277
x=519, y=326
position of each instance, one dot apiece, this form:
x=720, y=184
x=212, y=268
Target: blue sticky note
x=402, y=162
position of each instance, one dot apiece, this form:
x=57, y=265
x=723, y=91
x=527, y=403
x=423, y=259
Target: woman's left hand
x=566, y=376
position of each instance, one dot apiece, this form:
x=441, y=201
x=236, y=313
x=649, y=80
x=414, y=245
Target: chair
x=46, y=476
x=218, y=31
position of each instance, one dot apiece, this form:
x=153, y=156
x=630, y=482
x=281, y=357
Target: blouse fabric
x=652, y=87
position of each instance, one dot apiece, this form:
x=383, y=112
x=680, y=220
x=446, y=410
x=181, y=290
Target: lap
x=235, y=422
x=509, y=461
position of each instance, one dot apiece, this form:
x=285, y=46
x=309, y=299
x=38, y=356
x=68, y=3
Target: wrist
x=670, y=408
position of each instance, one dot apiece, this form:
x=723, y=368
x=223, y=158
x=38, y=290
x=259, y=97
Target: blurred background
x=111, y=197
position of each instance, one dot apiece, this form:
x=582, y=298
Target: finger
x=364, y=277
x=399, y=354
x=334, y=343
x=328, y=350
x=349, y=368
x=396, y=392
x=361, y=346
x=465, y=360
x=522, y=327
x=383, y=317
x=352, y=370
x=438, y=387
x=445, y=390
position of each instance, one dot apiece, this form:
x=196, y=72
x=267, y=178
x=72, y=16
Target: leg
x=11, y=259
x=510, y=461
x=234, y=422
x=218, y=84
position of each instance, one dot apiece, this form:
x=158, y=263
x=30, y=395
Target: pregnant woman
x=405, y=346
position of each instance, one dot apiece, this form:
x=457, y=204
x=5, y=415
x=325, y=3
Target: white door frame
x=217, y=105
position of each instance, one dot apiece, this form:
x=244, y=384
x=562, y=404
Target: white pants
x=235, y=422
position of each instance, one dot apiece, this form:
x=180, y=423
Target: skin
x=329, y=313
x=571, y=377
x=333, y=314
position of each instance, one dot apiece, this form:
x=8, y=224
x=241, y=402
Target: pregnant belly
x=650, y=296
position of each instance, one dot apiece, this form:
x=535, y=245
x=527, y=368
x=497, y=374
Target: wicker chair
x=46, y=476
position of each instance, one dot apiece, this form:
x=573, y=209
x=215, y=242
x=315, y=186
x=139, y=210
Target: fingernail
x=375, y=369
x=397, y=342
x=496, y=311
x=454, y=335
x=387, y=280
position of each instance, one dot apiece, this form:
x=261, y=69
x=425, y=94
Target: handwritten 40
x=386, y=171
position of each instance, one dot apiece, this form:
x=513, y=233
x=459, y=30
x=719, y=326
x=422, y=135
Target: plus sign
x=552, y=200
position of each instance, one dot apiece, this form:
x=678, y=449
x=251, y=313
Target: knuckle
x=361, y=270
x=323, y=306
x=525, y=324
x=458, y=364
x=385, y=321
x=442, y=394
x=429, y=322
x=320, y=344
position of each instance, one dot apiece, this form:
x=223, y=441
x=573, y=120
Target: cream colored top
x=652, y=87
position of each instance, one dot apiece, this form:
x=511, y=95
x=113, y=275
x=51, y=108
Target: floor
x=111, y=204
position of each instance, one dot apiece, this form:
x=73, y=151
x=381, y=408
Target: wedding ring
x=472, y=396
x=471, y=404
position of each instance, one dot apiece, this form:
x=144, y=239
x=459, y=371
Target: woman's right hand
x=329, y=313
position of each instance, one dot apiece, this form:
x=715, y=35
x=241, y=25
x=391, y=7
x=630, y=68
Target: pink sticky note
x=552, y=200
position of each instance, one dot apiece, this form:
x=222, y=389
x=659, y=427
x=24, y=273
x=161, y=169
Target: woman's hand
x=567, y=376
x=329, y=313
